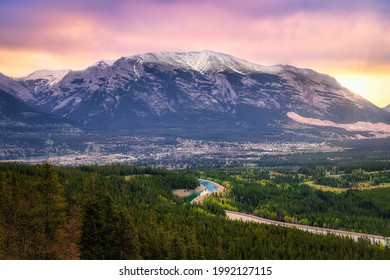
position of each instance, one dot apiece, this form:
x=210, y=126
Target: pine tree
x=127, y=237
x=91, y=243
x=53, y=212
x=177, y=250
x=7, y=217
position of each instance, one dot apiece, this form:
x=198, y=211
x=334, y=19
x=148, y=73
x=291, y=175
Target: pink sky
x=350, y=41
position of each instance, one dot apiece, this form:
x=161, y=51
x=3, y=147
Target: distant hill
x=26, y=131
x=17, y=115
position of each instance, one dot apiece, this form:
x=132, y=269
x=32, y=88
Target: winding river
x=210, y=186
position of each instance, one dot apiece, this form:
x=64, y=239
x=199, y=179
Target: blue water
x=211, y=187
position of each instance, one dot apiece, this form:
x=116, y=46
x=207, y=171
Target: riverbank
x=220, y=189
x=187, y=192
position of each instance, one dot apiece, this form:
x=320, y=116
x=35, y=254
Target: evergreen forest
x=125, y=212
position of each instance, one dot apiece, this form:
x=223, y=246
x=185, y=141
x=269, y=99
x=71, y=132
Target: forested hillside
x=121, y=212
x=360, y=204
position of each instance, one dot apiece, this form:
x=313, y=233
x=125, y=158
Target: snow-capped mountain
x=47, y=77
x=200, y=94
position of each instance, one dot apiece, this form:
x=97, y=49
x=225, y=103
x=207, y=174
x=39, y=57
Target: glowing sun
x=361, y=85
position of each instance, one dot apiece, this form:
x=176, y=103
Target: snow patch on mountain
x=72, y=100
x=104, y=63
x=357, y=126
x=51, y=76
x=204, y=61
x=136, y=71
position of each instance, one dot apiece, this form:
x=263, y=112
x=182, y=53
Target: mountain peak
x=104, y=63
x=203, y=61
x=52, y=76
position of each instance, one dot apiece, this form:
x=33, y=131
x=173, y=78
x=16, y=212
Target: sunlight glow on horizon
x=358, y=84
x=371, y=87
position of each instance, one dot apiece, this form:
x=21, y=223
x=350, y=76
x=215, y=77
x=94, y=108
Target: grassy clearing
x=360, y=186
x=130, y=177
x=325, y=188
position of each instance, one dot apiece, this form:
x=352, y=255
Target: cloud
x=383, y=128
x=334, y=37
x=323, y=35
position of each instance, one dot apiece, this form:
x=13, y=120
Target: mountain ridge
x=194, y=93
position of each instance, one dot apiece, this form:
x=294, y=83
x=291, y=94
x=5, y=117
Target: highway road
x=317, y=230
x=353, y=235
